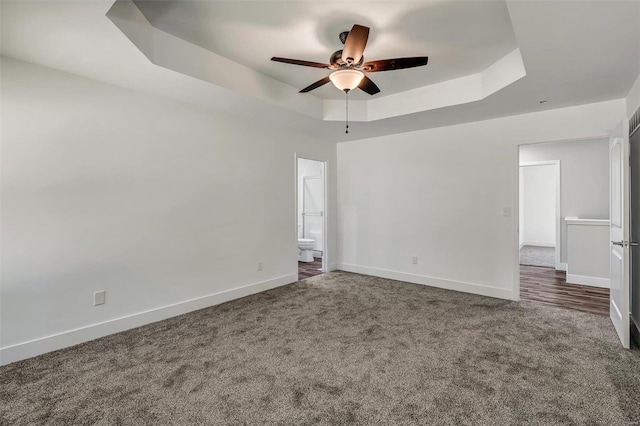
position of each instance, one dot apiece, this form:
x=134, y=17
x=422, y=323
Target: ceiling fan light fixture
x=346, y=80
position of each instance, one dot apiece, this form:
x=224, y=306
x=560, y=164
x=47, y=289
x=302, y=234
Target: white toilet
x=305, y=249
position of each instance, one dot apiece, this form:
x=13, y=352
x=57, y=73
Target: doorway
x=311, y=217
x=563, y=224
x=540, y=214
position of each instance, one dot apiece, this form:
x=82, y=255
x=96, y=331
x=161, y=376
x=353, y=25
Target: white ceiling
x=574, y=53
x=461, y=37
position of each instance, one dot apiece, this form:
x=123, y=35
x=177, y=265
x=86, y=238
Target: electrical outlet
x=414, y=260
x=98, y=298
x=259, y=265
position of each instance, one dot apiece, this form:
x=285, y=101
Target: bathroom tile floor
x=309, y=269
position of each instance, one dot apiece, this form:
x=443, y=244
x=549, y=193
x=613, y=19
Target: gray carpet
x=538, y=256
x=339, y=348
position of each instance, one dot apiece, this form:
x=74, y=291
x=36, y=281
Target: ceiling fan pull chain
x=347, y=103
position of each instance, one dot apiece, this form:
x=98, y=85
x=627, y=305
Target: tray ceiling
x=574, y=53
x=460, y=38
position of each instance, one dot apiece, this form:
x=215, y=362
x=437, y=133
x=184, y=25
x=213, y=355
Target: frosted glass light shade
x=346, y=79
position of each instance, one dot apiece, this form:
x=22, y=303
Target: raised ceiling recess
x=471, y=48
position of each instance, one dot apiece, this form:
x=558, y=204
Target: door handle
x=625, y=243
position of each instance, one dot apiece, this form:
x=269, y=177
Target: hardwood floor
x=309, y=269
x=548, y=286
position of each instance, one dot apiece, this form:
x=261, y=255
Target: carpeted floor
x=538, y=256
x=339, y=348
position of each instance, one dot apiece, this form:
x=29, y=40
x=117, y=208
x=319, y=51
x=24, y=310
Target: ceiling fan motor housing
x=337, y=62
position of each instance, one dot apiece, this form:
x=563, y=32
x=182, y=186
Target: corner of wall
x=633, y=98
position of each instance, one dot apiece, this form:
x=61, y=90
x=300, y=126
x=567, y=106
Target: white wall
x=584, y=178
x=156, y=202
x=538, y=206
x=588, y=252
x=440, y=194
x=633, y=98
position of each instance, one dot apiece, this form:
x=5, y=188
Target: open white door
x=619, y=210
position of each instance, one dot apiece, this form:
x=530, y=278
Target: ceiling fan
x=348, y=64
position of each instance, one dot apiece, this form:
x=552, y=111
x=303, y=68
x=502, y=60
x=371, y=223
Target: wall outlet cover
x=99, y=298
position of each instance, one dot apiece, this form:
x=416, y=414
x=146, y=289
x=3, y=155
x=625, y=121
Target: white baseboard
x=333, y=267
x=538, y=243
x=562, y=267
x=481, y=289
x=590, y=281
x=68, y=338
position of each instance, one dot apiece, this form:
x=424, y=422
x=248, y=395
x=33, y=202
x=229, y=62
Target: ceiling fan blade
x=355, y=44
x=395, y=64
x=368, y=86
x=315, y=85
x=300, y=62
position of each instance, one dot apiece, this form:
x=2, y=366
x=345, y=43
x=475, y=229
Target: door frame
x=516, y=198
x=325, y=222
x=558, y=215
